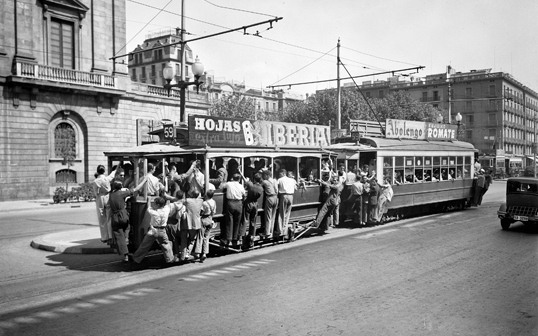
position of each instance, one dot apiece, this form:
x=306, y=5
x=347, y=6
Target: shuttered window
x=62, y=44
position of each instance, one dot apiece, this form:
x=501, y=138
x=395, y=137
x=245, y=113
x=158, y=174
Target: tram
x=231, y=143
x=428, y=168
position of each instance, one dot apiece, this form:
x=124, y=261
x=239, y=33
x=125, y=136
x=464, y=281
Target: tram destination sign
x=406, y=129
x=229, y=132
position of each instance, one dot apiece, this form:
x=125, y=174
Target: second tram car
x=427, y=175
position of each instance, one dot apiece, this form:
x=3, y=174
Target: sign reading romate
x=228, y=132
x=405, y=129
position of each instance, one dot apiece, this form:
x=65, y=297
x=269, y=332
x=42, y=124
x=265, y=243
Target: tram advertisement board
x=229, y=132
x=406, y=129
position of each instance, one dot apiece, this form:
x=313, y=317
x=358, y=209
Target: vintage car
x=521, y=202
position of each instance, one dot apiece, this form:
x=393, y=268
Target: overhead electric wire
x=386, y=59
x=335, y=79
x=239, y=10
x=364, y=97
x=305, y=66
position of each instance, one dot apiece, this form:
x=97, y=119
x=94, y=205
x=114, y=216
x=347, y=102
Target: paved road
x=455, y=273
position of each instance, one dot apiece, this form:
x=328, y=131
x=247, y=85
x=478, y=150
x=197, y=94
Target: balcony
x=61, y=75
x=430, y=99
x=155, y=90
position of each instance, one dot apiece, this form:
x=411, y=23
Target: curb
x=40, y=244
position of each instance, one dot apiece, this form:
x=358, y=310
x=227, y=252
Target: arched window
x=66, y=176
x=65, y=143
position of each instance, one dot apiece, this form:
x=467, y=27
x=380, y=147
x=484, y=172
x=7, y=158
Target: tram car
x=428, y=168
x=231, y=144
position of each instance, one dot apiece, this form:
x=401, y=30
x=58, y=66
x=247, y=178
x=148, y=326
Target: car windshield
x=517, y=186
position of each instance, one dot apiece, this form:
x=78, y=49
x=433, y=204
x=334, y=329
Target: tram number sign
x=169, y=132
x=355, y=136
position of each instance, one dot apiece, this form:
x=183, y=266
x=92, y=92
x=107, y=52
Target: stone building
x=499, y=113
x=57, y=80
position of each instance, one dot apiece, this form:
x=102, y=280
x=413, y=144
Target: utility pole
x=182, y=115
x=448, y=71
x=339, y=111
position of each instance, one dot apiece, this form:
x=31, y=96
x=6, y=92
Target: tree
x=65, y=146
x=321, y=108
x=236, y=106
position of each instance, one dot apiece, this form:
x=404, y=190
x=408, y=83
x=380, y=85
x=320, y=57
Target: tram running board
x=227, y=248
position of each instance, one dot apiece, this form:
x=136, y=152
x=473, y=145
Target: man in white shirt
x=235, y=193
x=153, y=183
x=286, y=189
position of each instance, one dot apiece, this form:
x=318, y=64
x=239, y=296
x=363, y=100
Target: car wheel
x=505, y=224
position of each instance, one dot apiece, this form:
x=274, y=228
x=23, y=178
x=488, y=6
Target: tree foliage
x=321, y=108
x=236, y=106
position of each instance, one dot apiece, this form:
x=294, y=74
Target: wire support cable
x=364, y=97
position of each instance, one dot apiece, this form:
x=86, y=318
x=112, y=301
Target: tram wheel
x=505, y=224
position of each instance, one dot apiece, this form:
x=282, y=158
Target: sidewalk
x=82, y=241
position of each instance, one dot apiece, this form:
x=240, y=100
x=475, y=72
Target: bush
x=84, y=192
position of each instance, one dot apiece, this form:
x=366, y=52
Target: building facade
x=60, y=88
x=499, y=114
x=147, y=61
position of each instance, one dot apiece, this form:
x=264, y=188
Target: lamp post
x=458, y=121
x=439, y=118
x=168, y=74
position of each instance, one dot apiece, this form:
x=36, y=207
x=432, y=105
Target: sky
x=375, y=36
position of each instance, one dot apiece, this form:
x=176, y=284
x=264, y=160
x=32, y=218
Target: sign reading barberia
x=228, y=132
x=406, y=129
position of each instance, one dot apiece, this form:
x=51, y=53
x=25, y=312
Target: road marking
x=376, y=233
x=226, y=270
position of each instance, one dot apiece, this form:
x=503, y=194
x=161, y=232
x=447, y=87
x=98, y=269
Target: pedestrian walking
x=101, y=189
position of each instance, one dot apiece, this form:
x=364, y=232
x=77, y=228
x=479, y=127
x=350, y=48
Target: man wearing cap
x=480, y=183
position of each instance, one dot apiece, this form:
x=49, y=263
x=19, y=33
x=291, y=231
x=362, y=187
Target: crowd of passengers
x=182, y=210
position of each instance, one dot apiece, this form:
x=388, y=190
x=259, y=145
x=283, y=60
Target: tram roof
x=158, y=149
x=375, y=143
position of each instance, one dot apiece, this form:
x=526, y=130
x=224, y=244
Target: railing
x=45, y=72
x=156, y=90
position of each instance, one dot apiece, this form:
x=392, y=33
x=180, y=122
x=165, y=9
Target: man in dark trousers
x=250, y=207
x=373, y=195
x=234, y=209
x=330, y=204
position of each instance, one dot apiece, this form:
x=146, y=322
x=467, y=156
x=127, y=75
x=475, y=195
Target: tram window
x=288, y=163
x=452, y=161
x=427, y=176
x=419, y=175
x=309, y=168
x=444, y=174
x=460, y=160
x=436, y=161
x=419, y=161
x=387, y=174
x=459, y=172
x=352, y=166
x=409, y=161
x=436, y=175
x=399, y=161
x=399, y=176
x=468, y=160
x=467, y=171
x=427, y=161
x=444, y=161
x=387, y=161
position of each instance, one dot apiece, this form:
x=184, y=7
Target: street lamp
x=439, y=118
x=168, y=74
x=458, y=121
